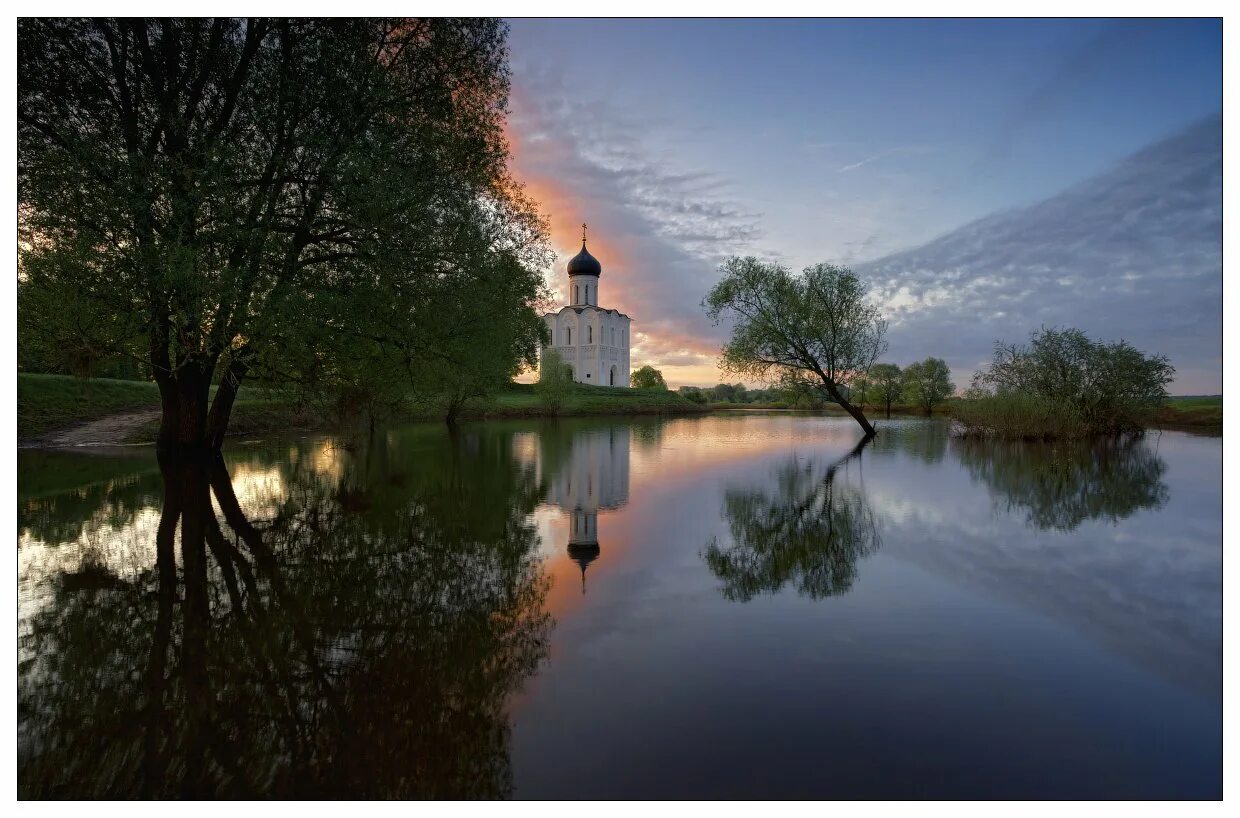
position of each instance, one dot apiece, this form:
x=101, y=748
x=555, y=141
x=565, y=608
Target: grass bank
x=1203, y=412
x=522, y=400
x=47, y=403
x=51, y=403
x=1028, y=418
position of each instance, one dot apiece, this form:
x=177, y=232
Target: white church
x=592, y=340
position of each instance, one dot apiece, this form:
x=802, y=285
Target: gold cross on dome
x=583, y=232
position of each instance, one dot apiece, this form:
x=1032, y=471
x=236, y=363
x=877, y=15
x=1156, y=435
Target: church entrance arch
x=611, y=377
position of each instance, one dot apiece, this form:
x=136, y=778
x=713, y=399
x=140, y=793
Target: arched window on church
x=587, y=293
x=568, y=336
x=576, y=294
x=589, y=331
x=613, y=336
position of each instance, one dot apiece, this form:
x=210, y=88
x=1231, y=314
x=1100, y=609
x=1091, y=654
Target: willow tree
x=816, y=330
x=251, y=198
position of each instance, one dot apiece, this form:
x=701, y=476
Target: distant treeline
x=736, y=393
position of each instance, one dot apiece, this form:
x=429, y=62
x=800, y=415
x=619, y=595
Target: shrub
x=555, y=380
x=648, y=378
x=1062, y=384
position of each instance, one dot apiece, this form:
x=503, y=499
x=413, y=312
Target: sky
x=682, y=142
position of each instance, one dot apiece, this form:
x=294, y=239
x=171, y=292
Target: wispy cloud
x=860, y=164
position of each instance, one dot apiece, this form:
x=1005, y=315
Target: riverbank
x=1197, y=413
x=61, y=411
x=57, y=411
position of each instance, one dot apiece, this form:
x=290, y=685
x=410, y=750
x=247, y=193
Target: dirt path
x=113, y=430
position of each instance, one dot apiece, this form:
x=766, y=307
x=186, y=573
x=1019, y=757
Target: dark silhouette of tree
x=318, y=202
x=1063, y=484
x=809, y=532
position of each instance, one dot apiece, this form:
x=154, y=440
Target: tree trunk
x=184, y=401
x=455, y=404
x=888, y=409
x=856, y=413
x=221, y=407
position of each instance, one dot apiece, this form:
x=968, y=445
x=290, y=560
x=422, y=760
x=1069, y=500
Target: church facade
x=592, y=340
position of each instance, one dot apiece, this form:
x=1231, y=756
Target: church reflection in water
x=585, y=471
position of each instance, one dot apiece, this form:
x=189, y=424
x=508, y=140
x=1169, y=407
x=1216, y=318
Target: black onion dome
x=584, y=264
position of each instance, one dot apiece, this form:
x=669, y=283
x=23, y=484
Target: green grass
x=49, y=403
x=1194, y=411
x=522, y=400
x=46, y=403
x=1029, y=418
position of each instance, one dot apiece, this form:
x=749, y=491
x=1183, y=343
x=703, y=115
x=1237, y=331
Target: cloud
x=1134, y=253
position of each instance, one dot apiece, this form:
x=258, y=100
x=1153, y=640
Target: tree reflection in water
x=1061, y=485
x=322, y=653
x=810, y=532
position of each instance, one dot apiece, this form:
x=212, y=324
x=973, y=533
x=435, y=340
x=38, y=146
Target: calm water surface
x=740, y=605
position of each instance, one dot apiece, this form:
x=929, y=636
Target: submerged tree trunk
x=221, y=407
x=191, y=422
x=856, y=413
x=184, y=402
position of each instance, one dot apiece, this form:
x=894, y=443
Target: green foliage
x=318, y=203
x=694, y=393
x=738, y=394
x=888, y=382
x=816, y=330
x=927, y=383
x=862, y=390
x=1062, y=384
x=647, y=377
x=555, y=380
x=800, y=393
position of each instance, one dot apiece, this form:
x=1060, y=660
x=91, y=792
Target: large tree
x=816, y=330
x=265, y=198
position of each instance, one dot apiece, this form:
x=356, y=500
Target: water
x=740, y=605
